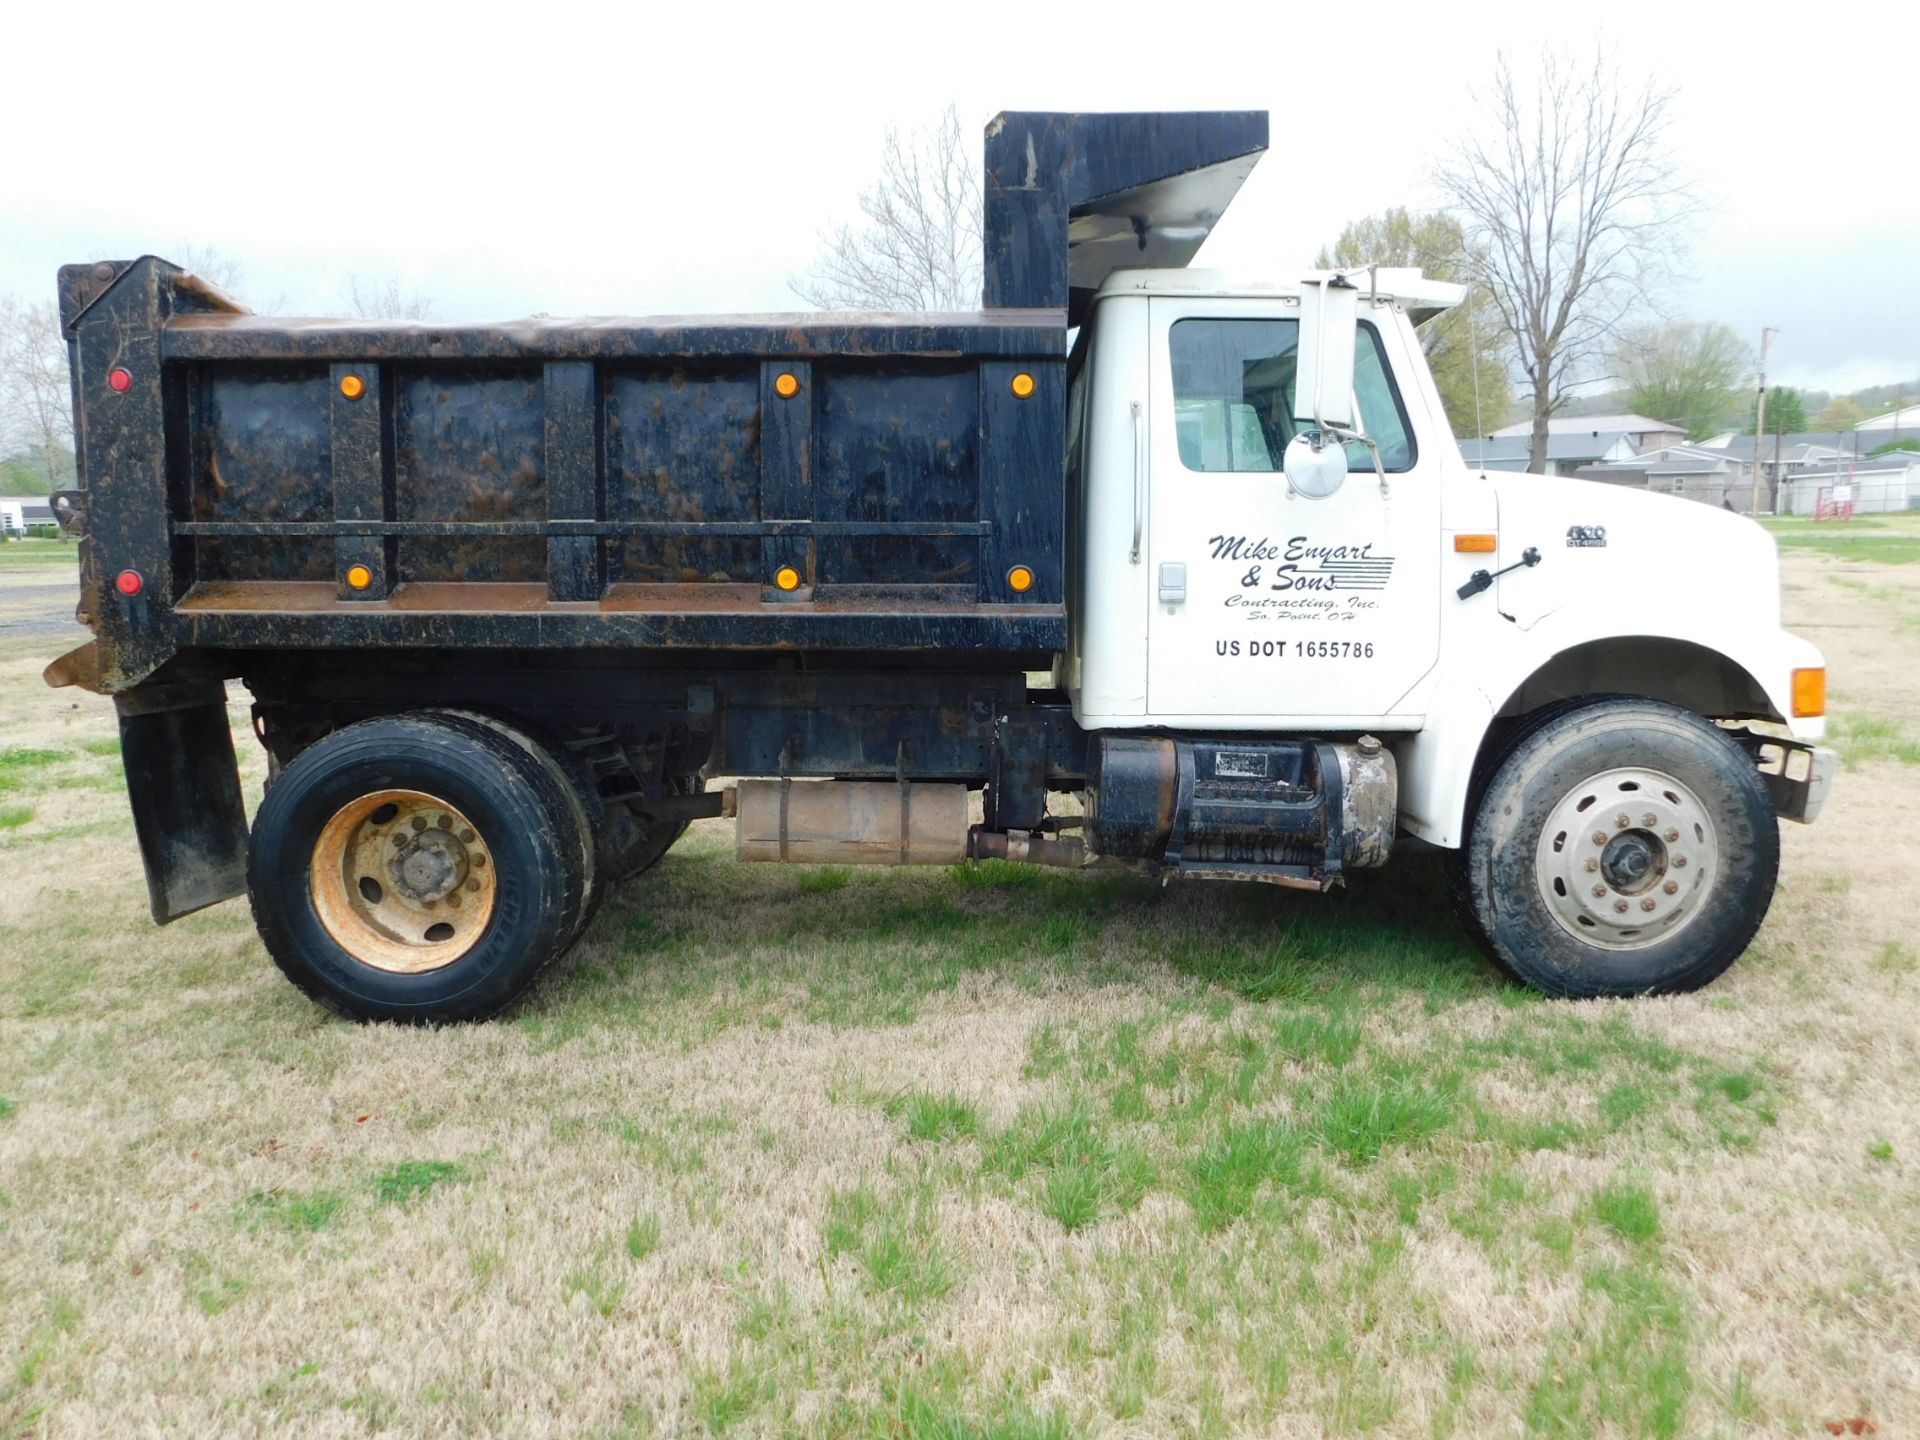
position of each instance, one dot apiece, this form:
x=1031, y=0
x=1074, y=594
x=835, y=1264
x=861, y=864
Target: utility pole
x=1760, y=417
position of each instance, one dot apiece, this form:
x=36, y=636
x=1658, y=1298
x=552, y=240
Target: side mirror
x=1329, y=324
x=1315, y=464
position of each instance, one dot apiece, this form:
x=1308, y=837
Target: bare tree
x=384, y=300
x=919, y=248
x=1573, y=210
x=36, y=399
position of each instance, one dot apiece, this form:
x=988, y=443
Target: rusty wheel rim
x=403, y=881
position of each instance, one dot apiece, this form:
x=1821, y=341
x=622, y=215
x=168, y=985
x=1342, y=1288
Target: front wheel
x=1624, y=847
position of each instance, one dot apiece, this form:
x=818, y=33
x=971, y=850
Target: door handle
x=1173, y=582
x=1139, y=482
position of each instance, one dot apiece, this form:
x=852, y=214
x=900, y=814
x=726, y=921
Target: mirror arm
x=1373, y=451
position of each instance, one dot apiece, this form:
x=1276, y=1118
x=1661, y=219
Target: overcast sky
x=651, y=159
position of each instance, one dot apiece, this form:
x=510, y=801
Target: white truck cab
x=1351, y=574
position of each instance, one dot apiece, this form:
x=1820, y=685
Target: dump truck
x=1139, y=565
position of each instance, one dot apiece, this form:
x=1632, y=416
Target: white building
x=1875, y=486
x=1906, y=421
x=17, y=514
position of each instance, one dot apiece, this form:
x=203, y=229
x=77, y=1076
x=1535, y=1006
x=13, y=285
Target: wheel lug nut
x=466, y=837
x=1623, y=821
x=1592, y=864
x=399, y=837
x=478, y=860
x=1672, y=887
x=473, y=887
x=1599, y=837
x=1679, y=862
x=419, y=822
x=1649, y=819
x=1599, y=892
x=1646, y=904
x=453, y=901
x=1621, y=906
x=445, y=822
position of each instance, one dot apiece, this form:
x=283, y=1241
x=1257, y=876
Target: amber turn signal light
x=787, y=578
x=1809, y=692
x=359, y=577
x=1020, y=579
x=1475, y=544
x=786, y=386
x=1023, y=385
x=352, y=386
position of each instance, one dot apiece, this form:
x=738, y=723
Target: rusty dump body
x=825, y=544
x=615, y=483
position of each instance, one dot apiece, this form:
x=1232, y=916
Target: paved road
x=36, y=605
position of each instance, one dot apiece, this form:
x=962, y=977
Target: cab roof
x=1420, y=296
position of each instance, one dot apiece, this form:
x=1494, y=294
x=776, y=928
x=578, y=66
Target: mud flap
x=184, y=785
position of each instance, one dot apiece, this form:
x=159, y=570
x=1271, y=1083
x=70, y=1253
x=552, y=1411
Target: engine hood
x=1647, y=557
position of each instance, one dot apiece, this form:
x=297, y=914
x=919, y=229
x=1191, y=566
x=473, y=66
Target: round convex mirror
x=1313, y=467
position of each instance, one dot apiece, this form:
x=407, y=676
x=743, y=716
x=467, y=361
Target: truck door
x=1271, y=607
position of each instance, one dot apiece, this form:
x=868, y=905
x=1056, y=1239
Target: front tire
x=1625, y=847
x=418, y=869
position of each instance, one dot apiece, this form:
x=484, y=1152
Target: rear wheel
x=1624, y=847
x=635, y=842
x=417, y=868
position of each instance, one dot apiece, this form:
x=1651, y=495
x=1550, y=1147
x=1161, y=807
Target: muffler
x=851, y=822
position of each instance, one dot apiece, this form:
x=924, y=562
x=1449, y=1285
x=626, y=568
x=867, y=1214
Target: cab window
x=1235, y=401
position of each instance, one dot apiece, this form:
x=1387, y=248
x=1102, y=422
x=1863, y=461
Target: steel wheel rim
x=402, y=881
x=1627, y=858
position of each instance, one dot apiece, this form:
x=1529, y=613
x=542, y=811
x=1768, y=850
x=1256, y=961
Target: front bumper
x=1799, y=775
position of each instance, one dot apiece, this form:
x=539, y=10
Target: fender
x=1720, y=669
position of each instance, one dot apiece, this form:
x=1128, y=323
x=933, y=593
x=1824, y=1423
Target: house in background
x=1692, y=472
x=1567, y=454
x=18, y=516
x=1882, y=428
x=1653, y=455
x=1644, y=433
x=1873, y=487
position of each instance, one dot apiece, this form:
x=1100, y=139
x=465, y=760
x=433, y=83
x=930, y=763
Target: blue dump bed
x=842, y=482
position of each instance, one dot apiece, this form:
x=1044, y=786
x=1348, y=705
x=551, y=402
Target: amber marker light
x=352, y=386
x=1023, y=385
x=359, y=577
x=129, y=583
x=1020, y=579
x=1475, y=544
x=786, y=387
x=787, y=578
x=1809, y=692
x=119, y=380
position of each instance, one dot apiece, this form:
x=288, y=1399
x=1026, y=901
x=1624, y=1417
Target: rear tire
x=417, y=868
x=562, y=790
x=1623, y=847
x=636, y=844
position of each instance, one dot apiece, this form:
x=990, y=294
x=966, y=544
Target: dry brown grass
x=1200, y=1163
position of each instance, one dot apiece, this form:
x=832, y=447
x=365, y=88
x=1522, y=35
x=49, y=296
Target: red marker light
x=128, y=582
x=119, y=380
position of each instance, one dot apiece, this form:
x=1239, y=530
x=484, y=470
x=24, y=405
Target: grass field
x=37, y=552
x=1882, y=539
x=977, y=1153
